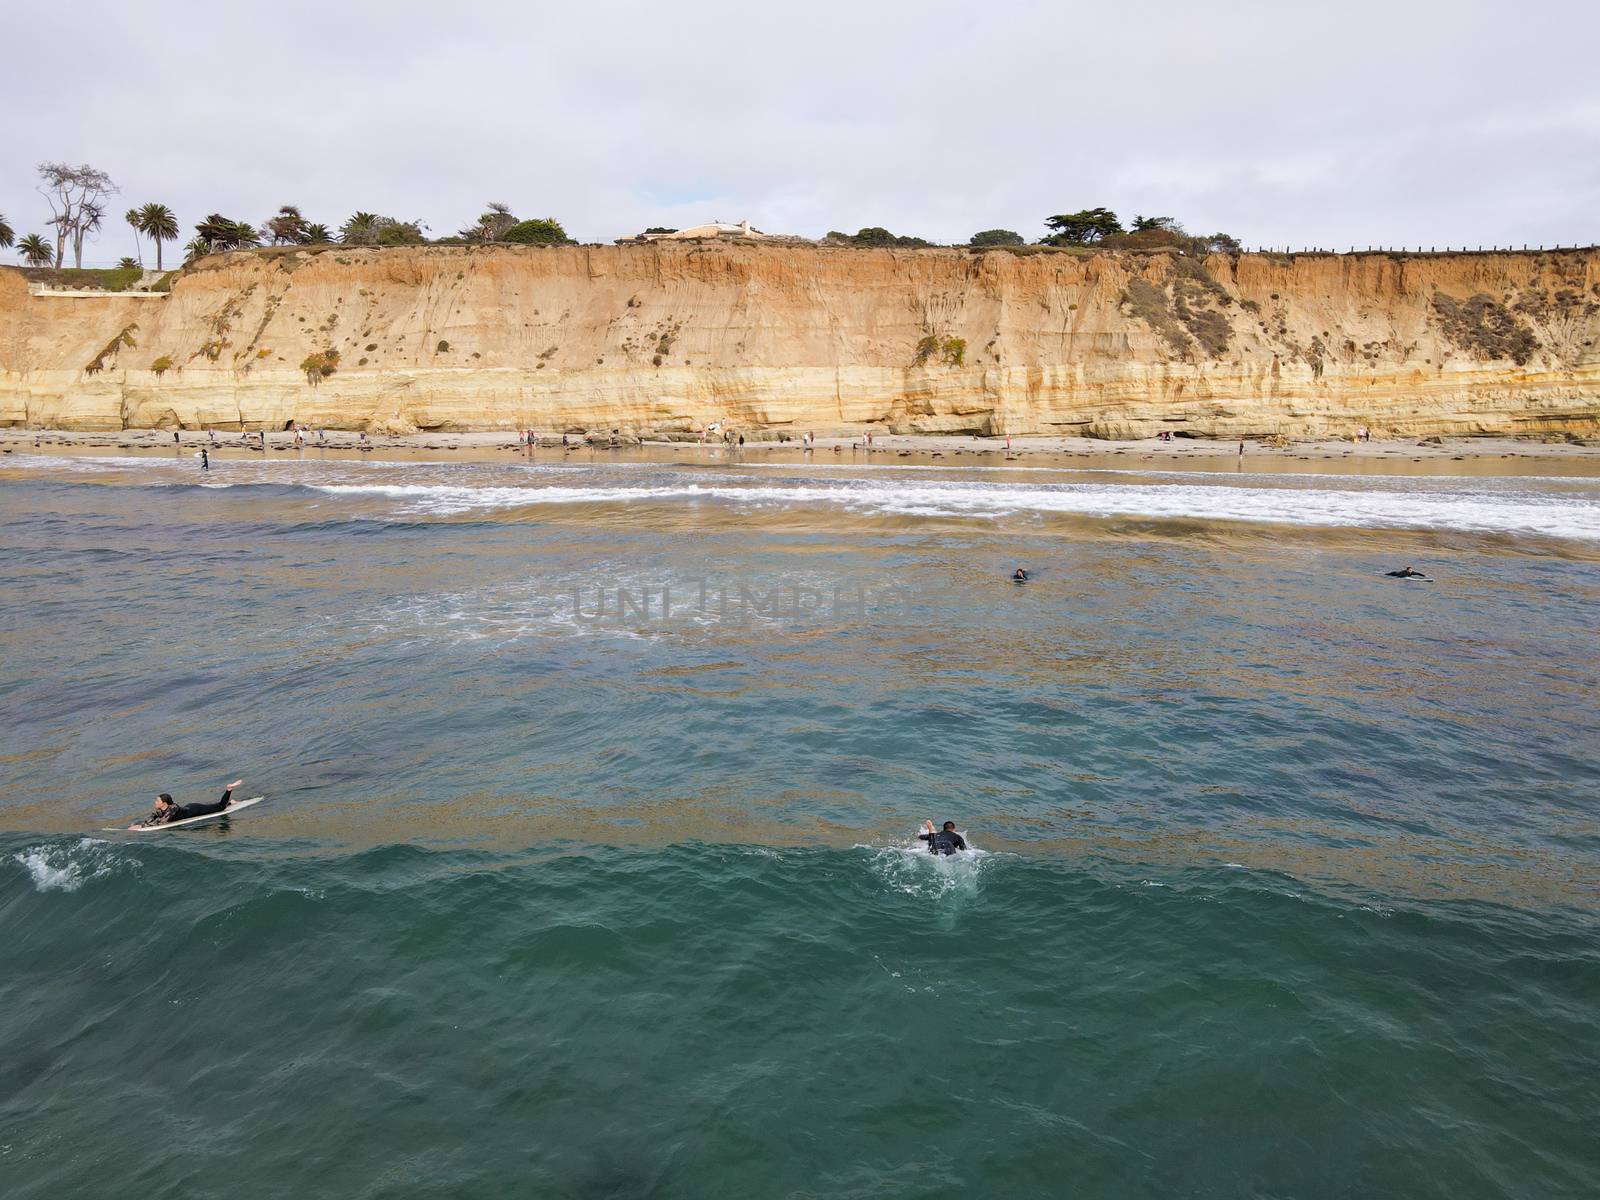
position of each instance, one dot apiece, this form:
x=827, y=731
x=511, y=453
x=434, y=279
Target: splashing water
x=66, y=868
x=913, y=871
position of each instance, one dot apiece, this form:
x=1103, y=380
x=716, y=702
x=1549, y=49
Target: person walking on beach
x=946, y=841
x=166, y=812
x=205, y=459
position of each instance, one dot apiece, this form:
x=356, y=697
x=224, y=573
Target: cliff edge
x=665, y=338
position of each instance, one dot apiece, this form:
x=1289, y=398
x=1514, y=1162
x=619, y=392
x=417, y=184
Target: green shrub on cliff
x=995, y=237
x=319, y=366
x=875, y=237
x=953, y=350
x=537, y=232
x=374, y=229
x=161, y=365
x=110, y=350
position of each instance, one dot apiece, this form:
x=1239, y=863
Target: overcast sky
x=1330, y=124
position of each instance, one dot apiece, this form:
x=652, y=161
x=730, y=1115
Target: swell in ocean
x=586, y=866
x=223, y=1018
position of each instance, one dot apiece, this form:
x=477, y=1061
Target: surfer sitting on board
x=946, y=841
x=165, y=811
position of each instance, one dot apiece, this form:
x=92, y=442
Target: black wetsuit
x=1408, y=573
x=182, y=812
x=943, y=842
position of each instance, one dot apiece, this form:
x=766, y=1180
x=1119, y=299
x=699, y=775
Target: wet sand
x=1445, y=456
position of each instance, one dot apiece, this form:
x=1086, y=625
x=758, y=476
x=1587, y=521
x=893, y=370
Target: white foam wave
x=1561, y=515
x=910, y=869
x=67, y=464
x=1567, y=509
x=58, y=868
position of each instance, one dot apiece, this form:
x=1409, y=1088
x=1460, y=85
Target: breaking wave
x=67, y=867
x=1560, y=514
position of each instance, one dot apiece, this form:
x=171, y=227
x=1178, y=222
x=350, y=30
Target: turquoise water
x=586, y=864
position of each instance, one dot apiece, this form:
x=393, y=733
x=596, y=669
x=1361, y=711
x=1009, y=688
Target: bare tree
x=492, y=225
x=287, y=228
x=76, y=197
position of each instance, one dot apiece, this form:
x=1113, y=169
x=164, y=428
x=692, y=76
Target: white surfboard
x=227, y=812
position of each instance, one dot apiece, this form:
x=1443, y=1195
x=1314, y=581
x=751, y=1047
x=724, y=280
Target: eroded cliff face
x=664, y=338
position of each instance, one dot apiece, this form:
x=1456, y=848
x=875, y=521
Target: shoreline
x=1446, y=456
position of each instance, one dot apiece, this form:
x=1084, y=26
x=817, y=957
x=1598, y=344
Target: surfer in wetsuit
x=1407, y=573
x=1019, y=576
x=946, y=841
x=166, y=812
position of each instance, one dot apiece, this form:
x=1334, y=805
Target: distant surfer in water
x=1407, y=573
x=166, y=812
x=946, y=841
x=1019, y=576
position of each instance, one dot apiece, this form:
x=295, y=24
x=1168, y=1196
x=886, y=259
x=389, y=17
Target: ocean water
x=587, y=867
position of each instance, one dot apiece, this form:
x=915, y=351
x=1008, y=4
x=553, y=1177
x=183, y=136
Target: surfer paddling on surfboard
x=946, y=841
x=166, y=812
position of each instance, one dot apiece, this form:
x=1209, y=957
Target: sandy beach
x=1432, y=456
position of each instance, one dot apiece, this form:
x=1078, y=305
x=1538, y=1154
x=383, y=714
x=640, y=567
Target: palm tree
x=197, y=248
x=35, y=251
x=317, y=235
x=157, y=222
x=218, y=233
x=361, y=229
x=6, y=234
x=132, y=218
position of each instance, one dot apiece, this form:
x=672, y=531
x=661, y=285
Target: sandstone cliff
x=665, y=338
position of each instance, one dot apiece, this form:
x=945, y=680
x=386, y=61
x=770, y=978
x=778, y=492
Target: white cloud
x=1363, y=123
